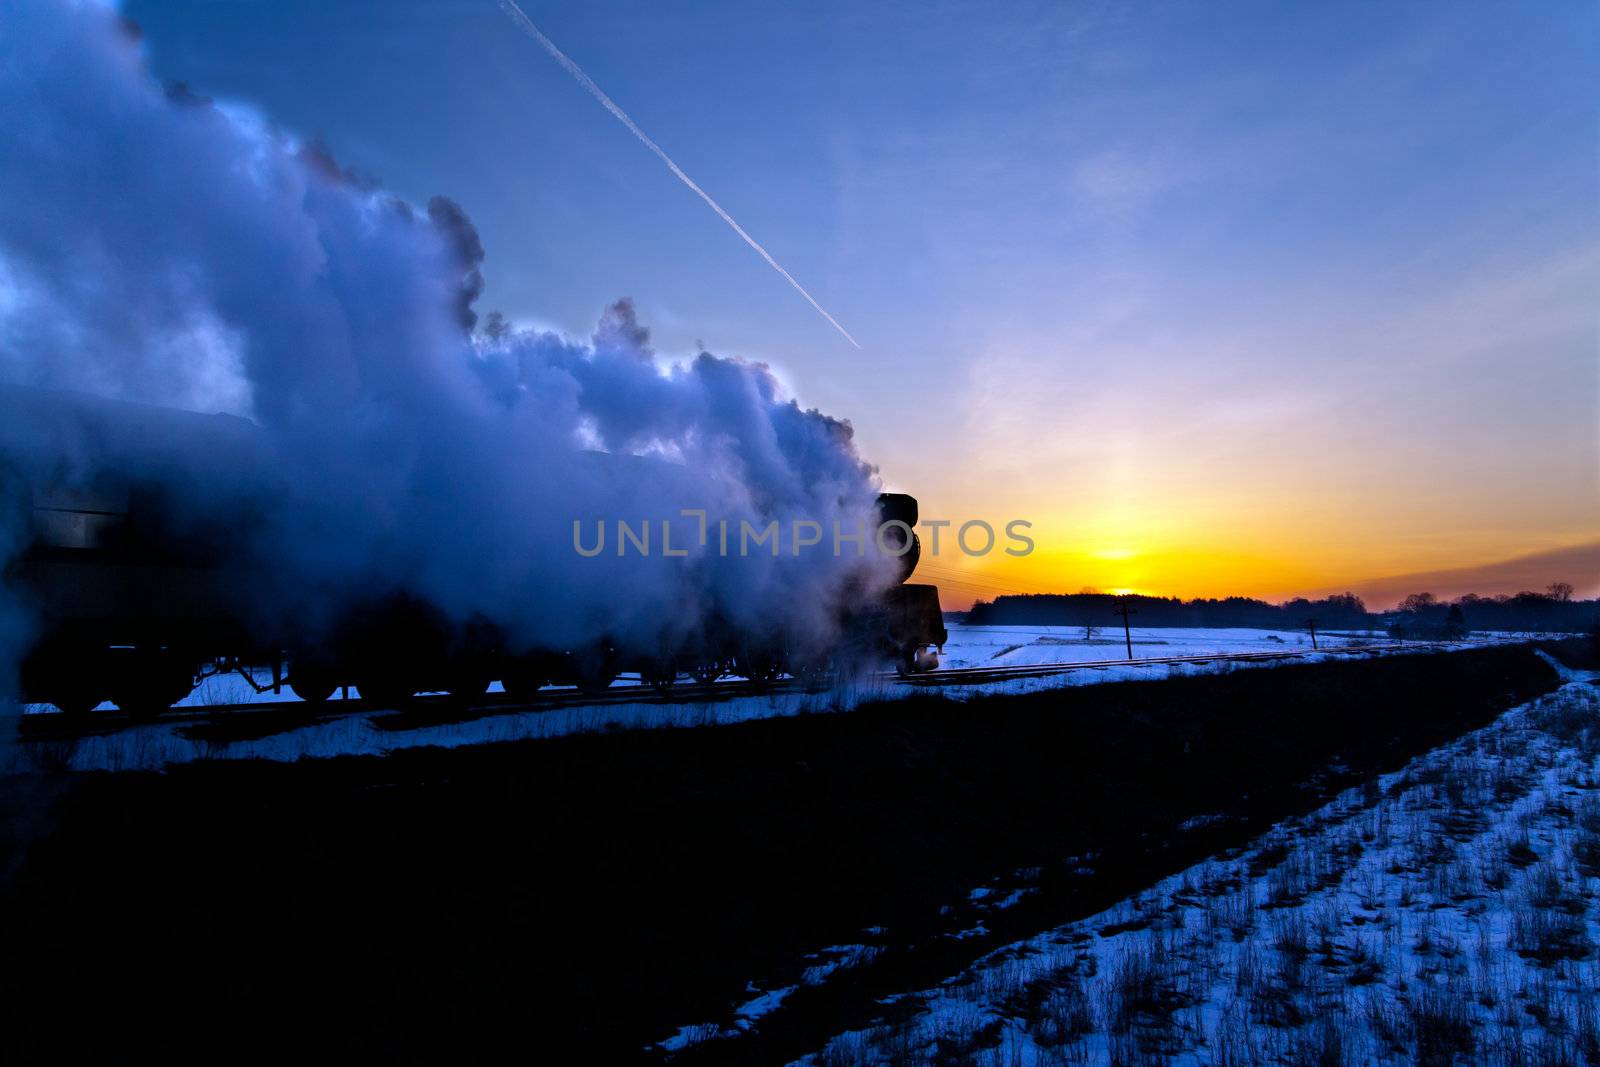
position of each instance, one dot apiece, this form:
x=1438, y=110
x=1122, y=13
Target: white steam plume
x=158, y=247
x=516, y=13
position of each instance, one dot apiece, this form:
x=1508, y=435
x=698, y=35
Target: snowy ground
x=1446, y=913
x=1015, y=646
x=153, y=746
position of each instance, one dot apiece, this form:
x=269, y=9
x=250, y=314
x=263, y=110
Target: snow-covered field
x=1445, y=913
x=1016, y=646
x=153, y=746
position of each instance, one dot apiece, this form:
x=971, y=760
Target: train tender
x=135, y=592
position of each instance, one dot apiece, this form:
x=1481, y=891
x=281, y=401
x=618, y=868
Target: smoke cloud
x=156, y=246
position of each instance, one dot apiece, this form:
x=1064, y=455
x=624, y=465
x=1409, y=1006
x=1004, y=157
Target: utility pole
x=1123, y=610
x=1311, y=624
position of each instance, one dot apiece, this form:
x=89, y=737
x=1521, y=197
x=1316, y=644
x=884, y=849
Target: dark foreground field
x=585, y=896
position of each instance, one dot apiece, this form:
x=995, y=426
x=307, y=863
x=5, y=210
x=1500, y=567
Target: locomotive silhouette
x=125, y=608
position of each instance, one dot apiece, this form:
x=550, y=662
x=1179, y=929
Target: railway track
x=261, y=718
x=425, y=709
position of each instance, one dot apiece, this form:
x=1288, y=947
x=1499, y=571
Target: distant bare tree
x=1417, y=602
x=1560, y=591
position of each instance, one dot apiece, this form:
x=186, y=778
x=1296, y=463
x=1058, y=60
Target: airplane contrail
x=522, y=20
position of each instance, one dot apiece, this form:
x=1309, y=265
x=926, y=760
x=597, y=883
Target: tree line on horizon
x=1419, y=615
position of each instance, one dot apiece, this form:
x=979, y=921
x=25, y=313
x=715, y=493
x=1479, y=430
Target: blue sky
x=1254, y=297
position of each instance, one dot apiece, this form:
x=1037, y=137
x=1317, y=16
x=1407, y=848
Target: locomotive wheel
x=151, y=683
x=467, y=674
x=469, y=688
x=660, y=676
x=386, y=691
x=765, y=675
x=145, y=703
x=593, y=684
x=815, y=674
x=312, y=684
x=75, y=704
x=906, y=663
x=76, y=698
x=72, y=676
x=914, y=660
x=594, y=668
x=759, y=670
x=313, y=692
x=522, y=683
x=141, y=710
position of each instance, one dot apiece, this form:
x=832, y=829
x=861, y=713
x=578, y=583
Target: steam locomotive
x=122, y=609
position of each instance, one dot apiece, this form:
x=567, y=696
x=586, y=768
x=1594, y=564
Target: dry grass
x=1447, y=914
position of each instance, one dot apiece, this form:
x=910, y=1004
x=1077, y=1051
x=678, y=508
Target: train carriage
x=130, y=605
